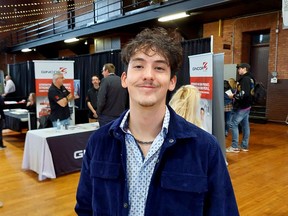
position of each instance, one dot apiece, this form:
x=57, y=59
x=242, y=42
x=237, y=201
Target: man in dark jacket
x=241, y=108
x=150, y=161
x=112, y=97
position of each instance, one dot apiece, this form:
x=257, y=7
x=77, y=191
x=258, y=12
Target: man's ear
x=173, y=82
x=123, y=79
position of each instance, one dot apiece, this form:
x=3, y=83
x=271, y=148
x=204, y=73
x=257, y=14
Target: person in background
x=2, y=119
x=31, y=102
x=151, y=161
x=186, y=103
x=229, y=88
x=9, y=88
x=91, y=99
x=242, y=102
x=112, y=97
x=59, y=98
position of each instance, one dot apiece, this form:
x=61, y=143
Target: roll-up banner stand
x=207, y=74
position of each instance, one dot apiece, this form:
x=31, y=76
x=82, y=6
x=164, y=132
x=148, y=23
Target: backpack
x=259, y=94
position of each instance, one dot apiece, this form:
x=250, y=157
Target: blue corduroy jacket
x=190, y=177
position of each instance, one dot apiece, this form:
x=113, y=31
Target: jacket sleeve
x=102, y=94
x=84, y=191
x=220, y=198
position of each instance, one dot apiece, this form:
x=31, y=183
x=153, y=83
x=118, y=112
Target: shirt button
x=125, y=205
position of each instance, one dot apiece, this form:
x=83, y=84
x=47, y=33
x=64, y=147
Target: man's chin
x=146, y=103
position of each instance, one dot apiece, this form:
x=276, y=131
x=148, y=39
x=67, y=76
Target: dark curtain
x=87, y=65
x=190, y=47
x=23, y=76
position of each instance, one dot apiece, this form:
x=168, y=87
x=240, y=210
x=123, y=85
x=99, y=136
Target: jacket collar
x=177, y=127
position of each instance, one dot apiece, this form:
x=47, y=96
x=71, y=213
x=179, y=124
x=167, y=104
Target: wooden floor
x=260, y=178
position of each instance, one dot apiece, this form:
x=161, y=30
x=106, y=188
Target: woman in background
x=229, y=89
x=31, y=103
x=186, y=103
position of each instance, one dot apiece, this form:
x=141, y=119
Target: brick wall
x=232, y=33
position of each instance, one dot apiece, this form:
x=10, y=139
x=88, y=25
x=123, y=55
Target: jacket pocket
x=105, y=170
x=185, y=182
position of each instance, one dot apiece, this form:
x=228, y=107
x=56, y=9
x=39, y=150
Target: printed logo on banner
x=204, y=67
x=63, y=70
x=79, y=154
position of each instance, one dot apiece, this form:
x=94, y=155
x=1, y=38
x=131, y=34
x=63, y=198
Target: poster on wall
x=44, y=71
x=201, y=76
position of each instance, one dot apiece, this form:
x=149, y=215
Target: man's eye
x=138, y=66
x=159, y=68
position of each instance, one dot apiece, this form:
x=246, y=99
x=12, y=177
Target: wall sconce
x=274, y=77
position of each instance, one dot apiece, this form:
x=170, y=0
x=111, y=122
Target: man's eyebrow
x=156, y=61
x=137, y=59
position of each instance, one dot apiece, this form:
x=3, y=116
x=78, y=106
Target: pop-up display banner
x=201, y=76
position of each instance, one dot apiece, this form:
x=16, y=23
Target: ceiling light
x=71, y=40
x=173, y=17
x=26, y=50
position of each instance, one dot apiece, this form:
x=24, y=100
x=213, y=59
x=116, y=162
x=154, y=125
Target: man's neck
x=145, y=124
x=58, y=86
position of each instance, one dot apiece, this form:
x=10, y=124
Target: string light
x=32, y=4
x=51, y=9
x=34, y=12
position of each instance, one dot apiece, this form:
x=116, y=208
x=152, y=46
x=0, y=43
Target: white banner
x=201, y=76
x=285, y=13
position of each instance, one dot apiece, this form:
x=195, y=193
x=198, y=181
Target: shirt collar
x=125, y=127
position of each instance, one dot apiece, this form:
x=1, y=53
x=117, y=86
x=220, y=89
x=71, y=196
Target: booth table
x=52, y=153
x=16, y=119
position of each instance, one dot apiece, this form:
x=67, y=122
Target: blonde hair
x=232, y=83
x=186, y=103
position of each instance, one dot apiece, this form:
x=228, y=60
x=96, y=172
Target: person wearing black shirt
x=242, y=102
x=91, y=99
x=59, y=98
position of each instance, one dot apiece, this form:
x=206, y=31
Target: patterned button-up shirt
x=140, y=168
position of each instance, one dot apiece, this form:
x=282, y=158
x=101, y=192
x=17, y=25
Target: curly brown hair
x=158, y=40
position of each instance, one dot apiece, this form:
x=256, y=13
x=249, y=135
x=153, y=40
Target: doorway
x=259, y=56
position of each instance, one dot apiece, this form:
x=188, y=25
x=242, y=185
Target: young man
x=59, y=98
x=241, y=108
x=150, y=161
x=91, y=99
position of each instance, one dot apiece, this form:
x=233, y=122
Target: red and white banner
x=44, y=71
x=201, y=76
